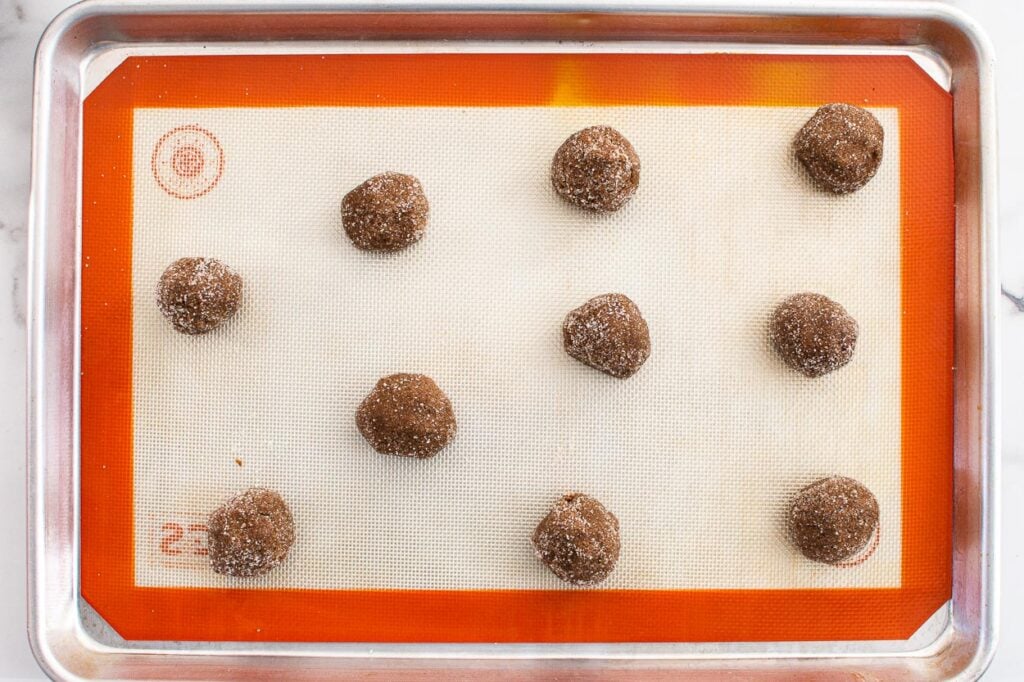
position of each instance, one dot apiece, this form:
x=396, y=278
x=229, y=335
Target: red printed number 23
x=177, y=539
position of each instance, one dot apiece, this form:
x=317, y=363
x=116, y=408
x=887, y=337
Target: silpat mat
x=697, y=455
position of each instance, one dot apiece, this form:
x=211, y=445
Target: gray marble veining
x=1017, y=301
x=21, y=23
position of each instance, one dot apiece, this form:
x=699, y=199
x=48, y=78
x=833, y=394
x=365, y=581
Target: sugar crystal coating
x=609, y=334
x=407, y=415
x=578, y=540
x=596, y=169
x=832, y=519
x=813, y=334
x=250, y=534
x=386, y=213
x=841, y=147
x=198, y=294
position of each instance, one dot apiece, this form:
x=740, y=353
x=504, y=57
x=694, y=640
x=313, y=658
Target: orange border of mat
x=926, y=157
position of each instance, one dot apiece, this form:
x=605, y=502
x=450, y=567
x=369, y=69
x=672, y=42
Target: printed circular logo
x=188, y=162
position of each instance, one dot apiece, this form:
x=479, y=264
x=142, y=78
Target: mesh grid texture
x=697, y=455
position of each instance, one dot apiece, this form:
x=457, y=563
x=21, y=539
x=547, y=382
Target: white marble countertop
x=21, y=24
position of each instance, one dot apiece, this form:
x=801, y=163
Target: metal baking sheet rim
x=959, y=643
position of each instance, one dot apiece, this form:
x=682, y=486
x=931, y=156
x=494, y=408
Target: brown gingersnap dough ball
x=832, y=519
x=578, y=540
x=841, y=147
x=813, y=334
x=407, y=415
x=609, y=334
x=198, y=294
x=250, y=534
x=388, y=212
x=596, y=169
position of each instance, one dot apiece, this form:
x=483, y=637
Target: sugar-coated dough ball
x=832, y=519
x=198, y=294
x=813, y=334
x=578, y=540
x=596, y=169
x=609, y=334
x=407, y=415
x=388, y=212
x=250, y=534
x=841, y=147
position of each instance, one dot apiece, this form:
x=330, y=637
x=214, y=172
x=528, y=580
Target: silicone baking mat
x=697, y=455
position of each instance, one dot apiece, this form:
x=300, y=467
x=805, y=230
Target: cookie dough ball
x=198, y=294
x=388, y=212
x=407, y=415
x=250, y=534
x=813, y=334
x=609, y=334
x=841, y=147
x=596, y=169
x=833, y=519
x=578, y=540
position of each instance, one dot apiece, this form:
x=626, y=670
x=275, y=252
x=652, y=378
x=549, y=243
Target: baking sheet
x=697, y=454
x=73, y=45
